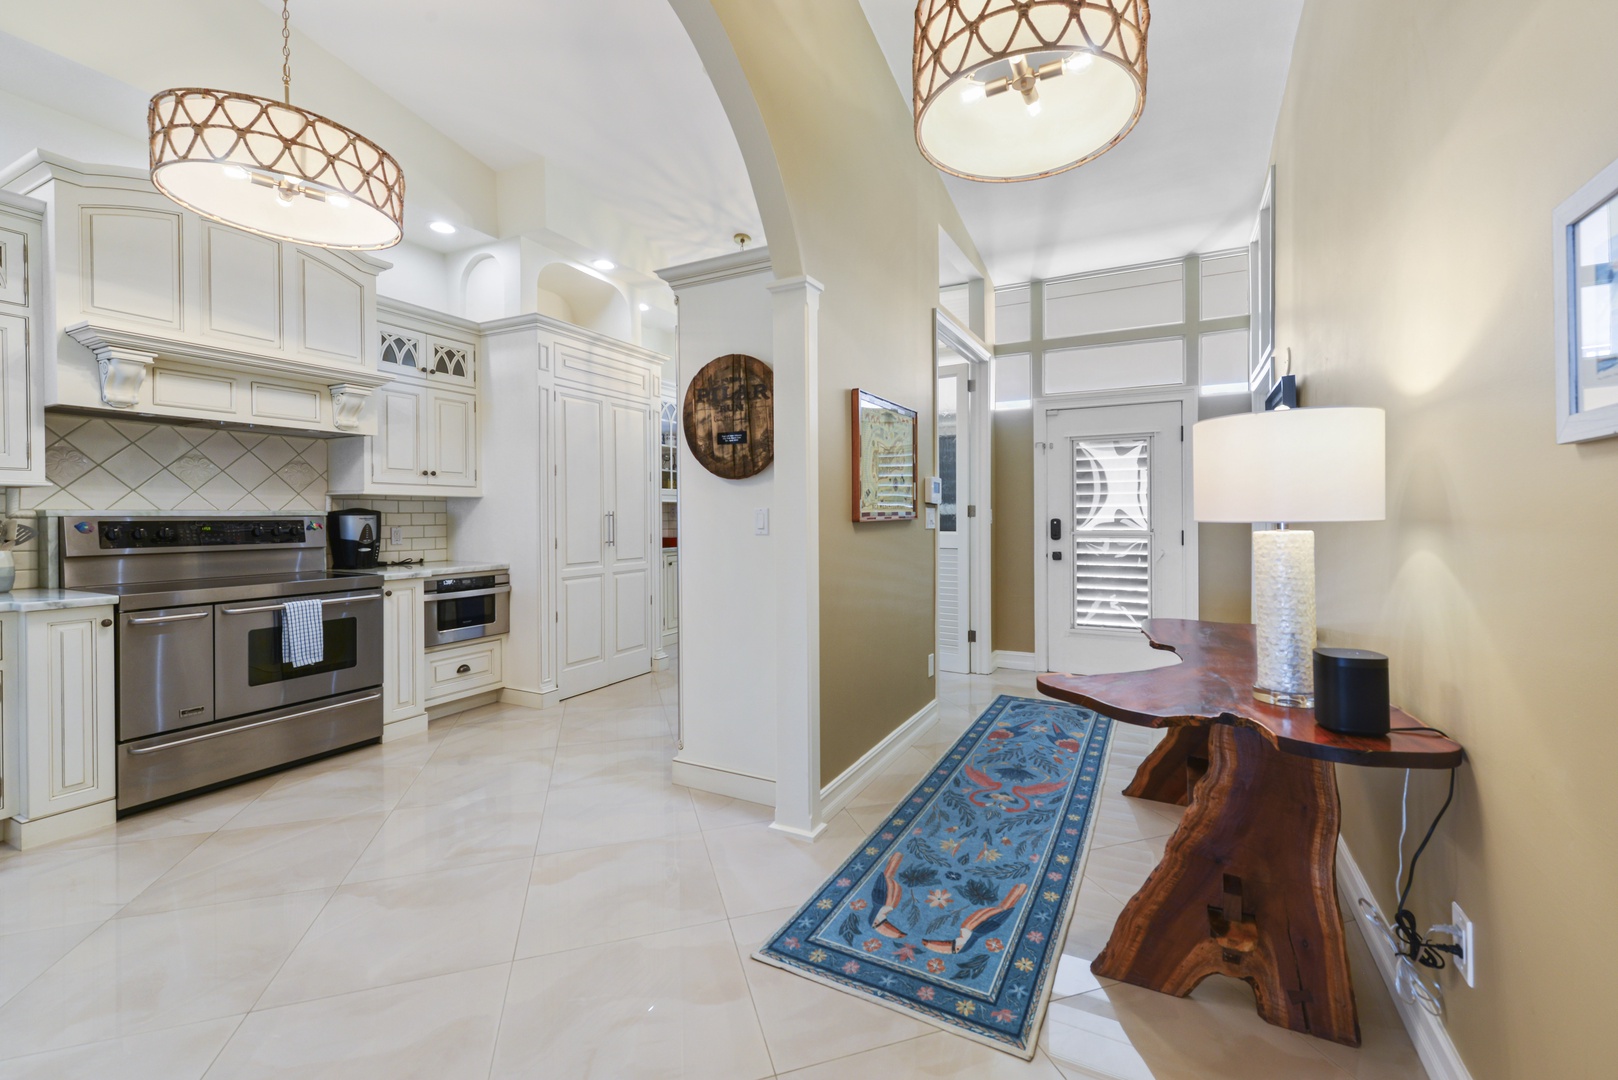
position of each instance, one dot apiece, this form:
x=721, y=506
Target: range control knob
x=140, y=533
x=165, y=534
x=258, y=531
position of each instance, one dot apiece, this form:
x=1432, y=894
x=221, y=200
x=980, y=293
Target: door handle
x=612, y=527
x=249, y=727
x=1056, y=556
x=159, y=620
x=1056, y=528
x=283, y=607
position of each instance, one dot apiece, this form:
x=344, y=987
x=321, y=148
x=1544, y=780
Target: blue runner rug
x=954, y=910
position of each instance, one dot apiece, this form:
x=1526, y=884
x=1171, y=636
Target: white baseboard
x=400, y=729
x=841, y=791
x=465, y=704
x=732, y=785
x=1431, y=1038
x=1016, y=661
x=527, y=698
x=67, y=825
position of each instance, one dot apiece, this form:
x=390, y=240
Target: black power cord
x=1429, y=954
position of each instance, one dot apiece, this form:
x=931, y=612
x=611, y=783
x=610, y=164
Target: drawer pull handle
x=249, y=727
x=464, y=669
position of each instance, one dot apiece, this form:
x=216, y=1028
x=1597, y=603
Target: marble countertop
x=53, y=599
x=432, y=570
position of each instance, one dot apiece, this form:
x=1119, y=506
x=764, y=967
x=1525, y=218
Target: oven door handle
x=433, y=597
x=159, y=620
x=250, y=727
x=283, y=607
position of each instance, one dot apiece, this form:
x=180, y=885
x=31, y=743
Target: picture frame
x=885, y=458
x=1585, y=241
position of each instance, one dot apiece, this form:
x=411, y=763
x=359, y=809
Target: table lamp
x=1288, y=466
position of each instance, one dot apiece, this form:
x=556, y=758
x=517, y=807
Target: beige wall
x=1420, y=153
x=867, y=210
x=1012, y=575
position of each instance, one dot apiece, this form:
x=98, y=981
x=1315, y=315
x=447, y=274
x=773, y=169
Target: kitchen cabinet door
x=451, y=362
x=69, y=737
x=453, y=441
x=403, y=645
x=16, y=438
x=398, y=447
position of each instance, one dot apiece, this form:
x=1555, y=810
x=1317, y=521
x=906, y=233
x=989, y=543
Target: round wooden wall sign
x=729, y=416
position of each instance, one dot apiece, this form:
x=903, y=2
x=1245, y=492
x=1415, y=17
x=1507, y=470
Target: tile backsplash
x=96, y=464
x=423, y=525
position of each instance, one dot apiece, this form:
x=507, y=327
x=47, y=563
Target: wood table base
x=1171, y=772
x=1246, y=888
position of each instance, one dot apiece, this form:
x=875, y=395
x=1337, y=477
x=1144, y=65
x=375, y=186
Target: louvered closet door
x=1114, y=546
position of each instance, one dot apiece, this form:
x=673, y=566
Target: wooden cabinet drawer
x=466, y=669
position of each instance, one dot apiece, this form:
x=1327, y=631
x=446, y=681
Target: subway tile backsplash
x=97, y=464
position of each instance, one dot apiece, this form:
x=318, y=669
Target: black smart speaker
x=1351, y=691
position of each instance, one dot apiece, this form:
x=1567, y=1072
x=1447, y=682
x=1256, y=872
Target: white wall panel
x=1160, y=362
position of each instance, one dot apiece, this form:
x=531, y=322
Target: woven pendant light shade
x=1022, y=89
x=274, y=169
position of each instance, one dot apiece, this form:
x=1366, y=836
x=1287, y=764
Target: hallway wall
x=1420, y=153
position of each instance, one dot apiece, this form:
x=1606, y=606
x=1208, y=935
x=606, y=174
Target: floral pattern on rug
x=954, y=908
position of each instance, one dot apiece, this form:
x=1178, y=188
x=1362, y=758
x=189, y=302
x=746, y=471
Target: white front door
x=603, y=494
x=1113, y=539
x=954, y=561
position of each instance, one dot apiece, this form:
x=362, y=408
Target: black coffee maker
x=355, y=537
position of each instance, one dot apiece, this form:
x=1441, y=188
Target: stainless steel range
x=204, y=697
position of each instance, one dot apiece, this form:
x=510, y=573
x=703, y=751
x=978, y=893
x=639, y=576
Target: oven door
x=463, y=616
x=249, y=675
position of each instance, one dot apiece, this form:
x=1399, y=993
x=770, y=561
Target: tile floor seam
x=213, y=1061
x=500, y=1021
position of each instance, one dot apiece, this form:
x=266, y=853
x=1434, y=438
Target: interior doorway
x=961, y=427
x=1113, y=534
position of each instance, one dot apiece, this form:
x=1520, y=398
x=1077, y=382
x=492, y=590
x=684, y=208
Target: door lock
x=1056, y=528
x=1056, y=556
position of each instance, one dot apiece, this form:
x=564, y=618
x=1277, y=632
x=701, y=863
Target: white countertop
x=432, y=570
x=53, y=599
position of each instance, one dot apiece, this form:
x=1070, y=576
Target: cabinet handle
x=106, y=622
x=464, y=669
x=387, y=592
x=424, y=472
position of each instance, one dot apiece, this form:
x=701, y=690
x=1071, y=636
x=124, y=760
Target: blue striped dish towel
x=303, y=633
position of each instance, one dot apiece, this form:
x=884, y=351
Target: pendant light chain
x=286, y=53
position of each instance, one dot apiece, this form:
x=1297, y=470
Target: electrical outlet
x=396, y=535
x=1466, y=964
x=931, y=665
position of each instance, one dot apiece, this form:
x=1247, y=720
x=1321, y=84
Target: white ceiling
x=1188, y=178
x=611, y=90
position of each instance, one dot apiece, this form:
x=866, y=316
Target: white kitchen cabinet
x=671, y=597
x=457, y=671
x=63, y=678
x=162, y=313
x=22, y=415
x=8, y=782
x=426, y=443
x=404, y=708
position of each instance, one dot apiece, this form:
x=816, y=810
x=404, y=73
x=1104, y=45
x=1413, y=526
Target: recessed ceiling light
x=604, y=264
x=442, y=227
x=646, y=307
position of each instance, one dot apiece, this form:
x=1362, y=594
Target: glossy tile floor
x=526, y=894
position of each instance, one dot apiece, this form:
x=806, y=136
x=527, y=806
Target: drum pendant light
x=271, y=168
x=1022, y=89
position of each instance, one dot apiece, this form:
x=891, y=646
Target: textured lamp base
x=1284, y=611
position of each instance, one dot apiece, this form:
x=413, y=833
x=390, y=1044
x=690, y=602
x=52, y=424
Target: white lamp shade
x=1291, y=465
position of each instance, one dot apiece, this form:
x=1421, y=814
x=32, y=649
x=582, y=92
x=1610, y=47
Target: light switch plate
x=761, y=521
x=932, y=517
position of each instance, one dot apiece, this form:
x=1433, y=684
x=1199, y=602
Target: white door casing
x=954, y=545
x=1113, y=554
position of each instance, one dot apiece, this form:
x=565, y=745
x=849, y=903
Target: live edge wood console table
x=1246, y=884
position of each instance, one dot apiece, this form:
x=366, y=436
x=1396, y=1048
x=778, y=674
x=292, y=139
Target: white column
x=796, y=536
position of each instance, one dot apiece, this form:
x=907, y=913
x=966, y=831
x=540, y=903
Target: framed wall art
x=1586, y=245
x=884, y=459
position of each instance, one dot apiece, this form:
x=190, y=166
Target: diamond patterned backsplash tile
x=96, y=464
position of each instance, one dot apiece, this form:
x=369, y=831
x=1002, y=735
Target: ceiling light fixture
x=443, y=227
x=604, y=265
x=272, y=168
x=646, y=307
x=1078, y=68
